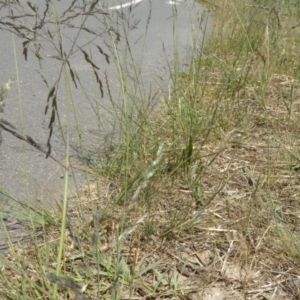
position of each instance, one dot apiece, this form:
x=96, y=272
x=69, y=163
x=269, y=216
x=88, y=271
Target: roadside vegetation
x=200, y=200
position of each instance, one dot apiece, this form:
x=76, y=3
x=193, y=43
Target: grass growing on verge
x=210, y=208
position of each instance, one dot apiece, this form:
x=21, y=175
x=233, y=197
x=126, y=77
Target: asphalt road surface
x=137, y=44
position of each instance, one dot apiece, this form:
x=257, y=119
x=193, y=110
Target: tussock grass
x=202, y=199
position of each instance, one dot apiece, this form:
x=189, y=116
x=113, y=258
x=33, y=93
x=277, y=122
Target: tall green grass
x=202, y=192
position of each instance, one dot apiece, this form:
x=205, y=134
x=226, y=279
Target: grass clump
x=202, y=199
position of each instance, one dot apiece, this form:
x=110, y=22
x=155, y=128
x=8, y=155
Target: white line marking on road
x=176, y=2
x=172, y=3
x=126, y=4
